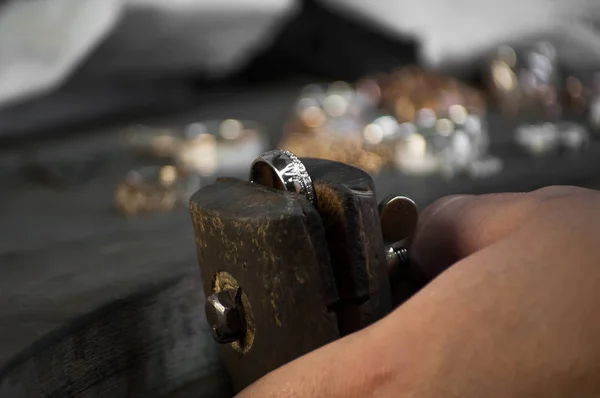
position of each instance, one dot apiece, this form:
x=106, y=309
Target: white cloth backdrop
x=451, y=31
x=43, y=41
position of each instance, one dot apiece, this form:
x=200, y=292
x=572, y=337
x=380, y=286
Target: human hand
x=511, y=310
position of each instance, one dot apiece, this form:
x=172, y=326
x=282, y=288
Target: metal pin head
x=399, y=216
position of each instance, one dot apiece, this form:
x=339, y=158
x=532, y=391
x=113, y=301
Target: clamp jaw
x=285, y=273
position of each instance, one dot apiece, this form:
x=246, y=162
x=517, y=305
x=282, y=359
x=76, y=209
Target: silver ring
x=281, y=169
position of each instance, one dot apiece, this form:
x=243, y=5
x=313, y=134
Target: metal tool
x=297, y=258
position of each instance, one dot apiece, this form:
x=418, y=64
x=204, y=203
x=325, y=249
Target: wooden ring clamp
x=303, y=275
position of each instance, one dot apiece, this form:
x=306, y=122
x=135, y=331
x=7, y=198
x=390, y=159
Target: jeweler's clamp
x=285, y=275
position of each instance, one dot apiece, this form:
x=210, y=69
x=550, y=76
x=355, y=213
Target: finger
x=457, y=226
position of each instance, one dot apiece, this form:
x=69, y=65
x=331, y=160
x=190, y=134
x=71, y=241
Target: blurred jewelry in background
x=594, y=103
x=529, y=80
x=552, y=138
x=153, y=189
x=526, y=79
x=207, y=147
x=220, y=146
x=412, y=120
x=577, y=95
x=407, y=90
x=421, y=122
x=194, y=153
x=574, y=137
x=328, y=121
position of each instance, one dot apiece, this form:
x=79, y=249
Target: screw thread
x=402, y=254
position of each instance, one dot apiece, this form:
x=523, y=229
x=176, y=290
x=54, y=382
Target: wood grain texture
x=153, y=343
x=273, y=244
x=347, y=203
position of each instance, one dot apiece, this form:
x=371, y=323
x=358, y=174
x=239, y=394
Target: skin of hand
x=511, y=309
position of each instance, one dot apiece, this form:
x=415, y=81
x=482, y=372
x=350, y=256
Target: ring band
x=281, y=169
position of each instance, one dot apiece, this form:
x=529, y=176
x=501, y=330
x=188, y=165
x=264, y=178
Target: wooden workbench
x=92, y=302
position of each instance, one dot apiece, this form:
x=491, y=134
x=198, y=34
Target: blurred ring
x=281, y=169
x=154, y=189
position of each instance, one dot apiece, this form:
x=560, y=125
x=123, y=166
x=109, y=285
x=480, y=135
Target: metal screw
x=396, y=256
x=398, y=216
x=225, y=315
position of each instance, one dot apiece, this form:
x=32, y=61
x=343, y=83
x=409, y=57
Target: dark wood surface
x=67, y=253
x=347, y=205
x=152, y=343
